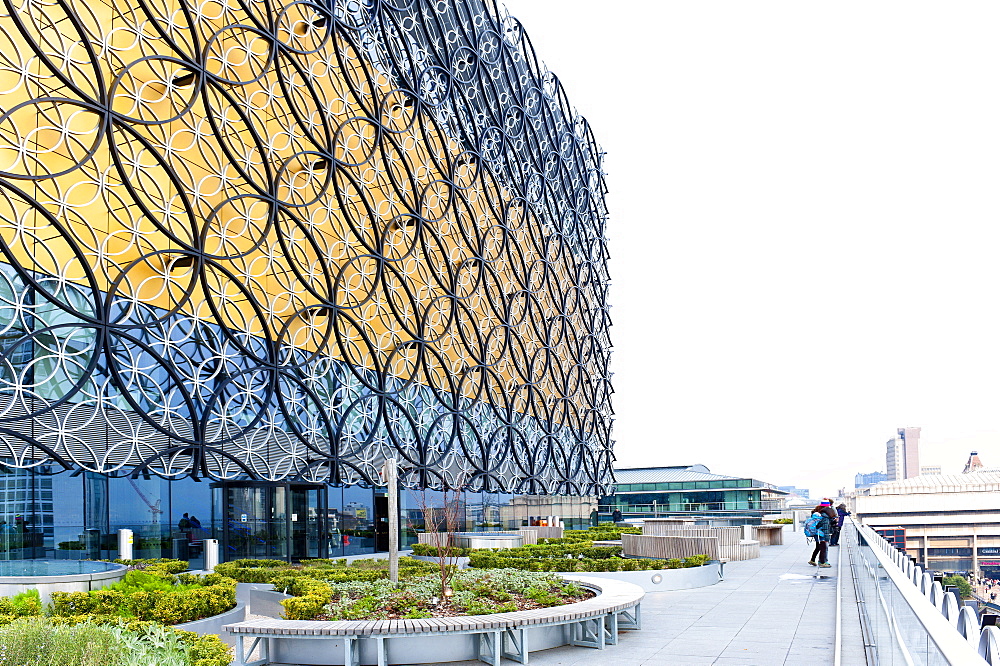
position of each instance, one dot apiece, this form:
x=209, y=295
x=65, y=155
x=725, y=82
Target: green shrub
x=964, y=588
x=426, y=550
x=149, y=595
x=25, y=604
x=782, y=521
x=158, y=564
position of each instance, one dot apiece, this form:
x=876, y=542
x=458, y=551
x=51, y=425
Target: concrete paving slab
x=770, y=611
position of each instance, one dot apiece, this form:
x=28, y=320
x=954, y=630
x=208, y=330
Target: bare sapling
x=450, y=517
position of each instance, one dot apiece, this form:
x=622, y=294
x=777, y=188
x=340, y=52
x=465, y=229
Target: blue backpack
x=811, y=528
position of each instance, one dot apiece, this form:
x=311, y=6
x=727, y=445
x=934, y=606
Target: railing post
x=125, y=539
x=968, y=624
x=989, y=645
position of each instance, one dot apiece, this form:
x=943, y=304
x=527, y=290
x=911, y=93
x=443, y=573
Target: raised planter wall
x=256, y=599
x=46, y=585
x=441, y=646
x=667, y=547
x=662, y=580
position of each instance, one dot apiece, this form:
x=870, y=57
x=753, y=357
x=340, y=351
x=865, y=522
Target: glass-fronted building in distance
x=691, y=492
x=248, y=255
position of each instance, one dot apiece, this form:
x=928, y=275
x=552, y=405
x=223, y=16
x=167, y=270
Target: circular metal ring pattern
x=288, y=239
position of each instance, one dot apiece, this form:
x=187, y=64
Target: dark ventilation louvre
x=184, y=79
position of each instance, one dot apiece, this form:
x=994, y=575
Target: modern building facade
x=691, y=491
x=951, y=521
x=902, y=455
x=246, y=256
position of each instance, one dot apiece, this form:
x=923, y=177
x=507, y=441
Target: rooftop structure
x=691, y=491
x=952, y=521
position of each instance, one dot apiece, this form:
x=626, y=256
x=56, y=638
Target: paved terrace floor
x=776, y=609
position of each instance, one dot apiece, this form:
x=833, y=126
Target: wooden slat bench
x=769, y=535
x=593, y=623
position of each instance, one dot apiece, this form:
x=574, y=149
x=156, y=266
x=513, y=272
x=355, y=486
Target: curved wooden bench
x=594, y=623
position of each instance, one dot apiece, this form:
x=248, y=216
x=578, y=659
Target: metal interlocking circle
x=287, y=240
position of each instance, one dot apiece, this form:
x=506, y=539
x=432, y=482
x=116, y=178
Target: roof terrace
x=777, y=609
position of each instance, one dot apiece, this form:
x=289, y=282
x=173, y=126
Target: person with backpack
x=842, y=513
x=819, y=527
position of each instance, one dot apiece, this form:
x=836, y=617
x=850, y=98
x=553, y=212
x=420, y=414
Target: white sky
x=804, y=229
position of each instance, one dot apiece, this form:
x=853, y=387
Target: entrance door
x=270, y=520
x=307, y=521
x=381, y=522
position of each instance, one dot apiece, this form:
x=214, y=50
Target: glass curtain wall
x=77, y=516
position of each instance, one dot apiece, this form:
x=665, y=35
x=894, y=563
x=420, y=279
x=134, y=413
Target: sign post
x=391, y=477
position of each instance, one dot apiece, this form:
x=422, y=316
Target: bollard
x=125, y=540
x=211, y=549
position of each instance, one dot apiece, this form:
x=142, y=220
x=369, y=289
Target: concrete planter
x=440, y=646
x=251, y=599
x=420, y=650
x=660, y=580
x=47, y=584
x=213, y=625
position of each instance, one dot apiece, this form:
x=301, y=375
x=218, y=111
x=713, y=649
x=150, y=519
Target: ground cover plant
x=34, y=641
x=471, y=593
x=136, y=608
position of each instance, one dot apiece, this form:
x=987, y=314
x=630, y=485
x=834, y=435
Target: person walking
x=842, y=513
x=823, y=529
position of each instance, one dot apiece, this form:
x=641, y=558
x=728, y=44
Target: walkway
x=773, y=610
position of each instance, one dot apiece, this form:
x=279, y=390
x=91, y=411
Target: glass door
x=307, y=522
x=271, y=520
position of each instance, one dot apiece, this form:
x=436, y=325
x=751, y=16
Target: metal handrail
x=954, y=631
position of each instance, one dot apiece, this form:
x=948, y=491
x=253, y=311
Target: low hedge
x=159, y=597
x=499, y=560
x=159, y=564
x=427, y=550
x=339, y=571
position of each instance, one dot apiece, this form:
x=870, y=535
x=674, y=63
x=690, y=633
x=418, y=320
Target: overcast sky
x=804, y=226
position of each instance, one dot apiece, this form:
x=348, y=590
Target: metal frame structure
x=290, y=240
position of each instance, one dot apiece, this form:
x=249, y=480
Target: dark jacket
x=827, y=511
x=841, y=514
x=823, y=527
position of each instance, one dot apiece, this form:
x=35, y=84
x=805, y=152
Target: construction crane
x=154, y=507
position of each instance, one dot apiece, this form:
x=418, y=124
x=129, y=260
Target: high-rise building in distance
x=870, y=479
x=902, y=459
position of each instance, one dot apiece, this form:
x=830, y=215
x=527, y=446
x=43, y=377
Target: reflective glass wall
x=77, y=516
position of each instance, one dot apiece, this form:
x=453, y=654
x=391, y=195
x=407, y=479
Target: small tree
x=450, y=517
x=961, y=583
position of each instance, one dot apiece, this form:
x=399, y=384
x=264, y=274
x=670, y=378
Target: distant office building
x=792, y=490
x=930, y=469
x=973, y=464
x=870, y=479
x=691, y=491
x=951, y=521
x=902, y=458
